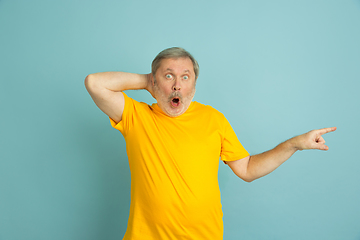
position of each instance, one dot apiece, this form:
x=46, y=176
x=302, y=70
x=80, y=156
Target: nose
x=176, y=86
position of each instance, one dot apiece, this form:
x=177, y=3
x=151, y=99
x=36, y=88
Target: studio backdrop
x=275, y=69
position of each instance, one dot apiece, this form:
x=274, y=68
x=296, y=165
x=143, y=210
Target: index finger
x=327, y=130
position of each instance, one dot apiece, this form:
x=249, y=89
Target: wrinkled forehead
x=177, y=65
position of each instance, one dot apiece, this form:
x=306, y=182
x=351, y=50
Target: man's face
x=174, y=88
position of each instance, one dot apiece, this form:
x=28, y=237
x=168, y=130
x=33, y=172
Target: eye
x=168, y=76
x=185, y=77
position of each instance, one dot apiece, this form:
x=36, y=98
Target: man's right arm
x=106, y=89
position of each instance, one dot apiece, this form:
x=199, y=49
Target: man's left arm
x=256, y=166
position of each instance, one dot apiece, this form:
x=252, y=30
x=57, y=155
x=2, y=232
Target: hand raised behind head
x=150, y=84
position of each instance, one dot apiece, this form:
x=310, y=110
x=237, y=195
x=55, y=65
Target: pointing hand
x=312, y=139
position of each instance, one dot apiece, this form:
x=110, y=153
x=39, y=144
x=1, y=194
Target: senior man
x=174, y=146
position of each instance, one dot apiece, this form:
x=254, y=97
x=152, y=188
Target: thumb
x=323, y=147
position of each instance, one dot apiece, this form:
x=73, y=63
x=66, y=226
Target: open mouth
x=175, y=102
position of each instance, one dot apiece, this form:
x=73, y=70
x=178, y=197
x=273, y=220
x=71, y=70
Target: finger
x=326, y=130
x=320, y=147
x=320, y=139
x=324, y=147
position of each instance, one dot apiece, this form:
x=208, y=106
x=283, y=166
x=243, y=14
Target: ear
x=152, y=78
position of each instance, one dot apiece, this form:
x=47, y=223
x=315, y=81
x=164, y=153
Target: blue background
x=276, y=69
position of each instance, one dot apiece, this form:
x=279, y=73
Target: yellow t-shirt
x=174, y=170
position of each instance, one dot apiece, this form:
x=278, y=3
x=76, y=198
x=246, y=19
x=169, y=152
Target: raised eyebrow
x=170, y=70
x=186, y=72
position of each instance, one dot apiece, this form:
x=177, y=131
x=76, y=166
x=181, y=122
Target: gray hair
x=174, y=52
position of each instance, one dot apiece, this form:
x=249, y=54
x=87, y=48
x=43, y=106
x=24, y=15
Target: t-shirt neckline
x=156, y=108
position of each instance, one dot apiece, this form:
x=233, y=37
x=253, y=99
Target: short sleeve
x=231, y=148
x=126, y=121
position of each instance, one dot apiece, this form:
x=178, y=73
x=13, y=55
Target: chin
x=172, y=113
x=175, y=112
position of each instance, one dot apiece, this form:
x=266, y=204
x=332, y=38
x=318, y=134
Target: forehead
x=180, y=65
